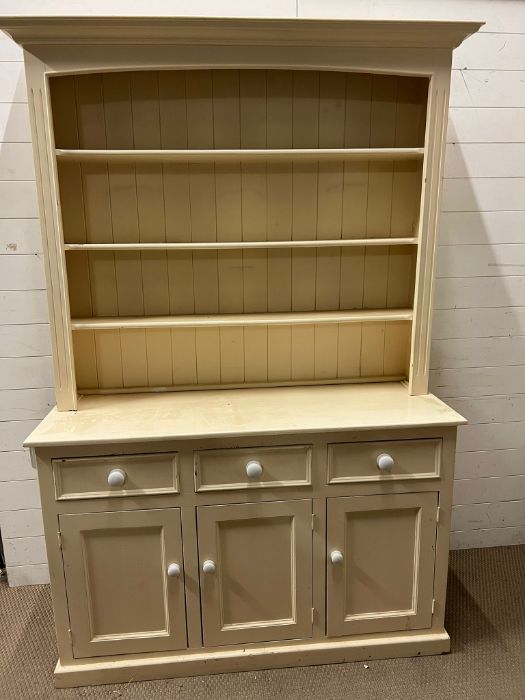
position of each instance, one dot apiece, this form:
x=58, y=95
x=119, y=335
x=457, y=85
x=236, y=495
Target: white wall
x=478, y=353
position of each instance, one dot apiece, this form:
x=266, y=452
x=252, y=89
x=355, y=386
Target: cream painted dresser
x=244, y=469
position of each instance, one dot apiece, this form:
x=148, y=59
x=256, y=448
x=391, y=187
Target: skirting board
x=251, y=658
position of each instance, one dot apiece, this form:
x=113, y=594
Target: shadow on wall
x=26, y=378
x=476, y=329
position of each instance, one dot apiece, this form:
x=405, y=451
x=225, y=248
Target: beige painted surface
x=160, y=318
x=385, y=581
x=358, y=462
x=252, y=658
x=209, y=155
x=262, y=587
x=270, y=548
x=120, y=599
x=248, y=202
x=228, y=469
x=477, y=339
x=88, y=477
x=240, y=412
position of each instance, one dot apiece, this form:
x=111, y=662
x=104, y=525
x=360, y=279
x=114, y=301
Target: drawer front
x=250, y=468
x=131, y=475
x=409, y=459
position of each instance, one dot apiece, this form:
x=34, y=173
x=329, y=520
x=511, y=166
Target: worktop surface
x=237, y=412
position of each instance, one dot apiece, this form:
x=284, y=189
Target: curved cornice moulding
x=227, y=31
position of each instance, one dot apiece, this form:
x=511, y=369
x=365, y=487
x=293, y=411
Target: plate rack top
x=237, y=202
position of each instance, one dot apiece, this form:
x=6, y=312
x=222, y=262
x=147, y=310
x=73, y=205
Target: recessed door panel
x=258, y=582
x=380, y=562
x=120, y=596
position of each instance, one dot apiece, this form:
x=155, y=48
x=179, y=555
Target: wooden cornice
x=432, y=34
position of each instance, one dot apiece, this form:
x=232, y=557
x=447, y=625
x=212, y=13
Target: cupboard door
x=123, y=595
x=380, y=563
x=256, y=571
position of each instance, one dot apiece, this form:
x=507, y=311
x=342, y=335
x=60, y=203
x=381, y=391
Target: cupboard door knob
x=385, y=462
x=116, y=477
x=254, y=469
x=336, y=557
x=174, y=569
x=208, y=566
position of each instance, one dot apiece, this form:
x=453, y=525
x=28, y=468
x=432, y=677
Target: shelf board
x=234, y=245
x=228, y=320
x=236, y=154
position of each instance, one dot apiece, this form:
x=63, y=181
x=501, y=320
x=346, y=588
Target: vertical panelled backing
x=176, y=202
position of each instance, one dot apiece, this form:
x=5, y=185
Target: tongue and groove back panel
x=142, y=201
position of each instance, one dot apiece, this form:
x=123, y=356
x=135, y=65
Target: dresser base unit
x=251, y=658
x=212, y=538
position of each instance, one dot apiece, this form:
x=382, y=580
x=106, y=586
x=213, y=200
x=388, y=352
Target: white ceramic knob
x=116, y=477
x=254, y=469
x=174, y=570
x=336, y=557
x=208, y=566
x=385, y=462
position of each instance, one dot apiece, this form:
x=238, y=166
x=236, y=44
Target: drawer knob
x=336, y=557
x=208, y=566
x=174, y=569
x=116, y=477
x=254, y=469
x=385, y=462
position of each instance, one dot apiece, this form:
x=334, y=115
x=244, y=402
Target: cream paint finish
x=270, y=549
x=120, y=598
x=249, y=658
x=358, y=462
x=88, y=477
x=227, y=469
x=385, y=581
x=26, y=376
x=249, y=195
x=111, y=110
x=240, y=412
x=498, y=518
x=262, y=587
x=254, y=110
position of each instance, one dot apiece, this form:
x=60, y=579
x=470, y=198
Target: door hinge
x=433, y=605
x=438, y=511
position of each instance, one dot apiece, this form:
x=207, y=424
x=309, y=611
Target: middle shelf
x=234, y=245
x=248, y=319
x=200, y=155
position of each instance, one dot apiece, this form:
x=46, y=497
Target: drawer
x=253, y=467
x=131, y=475
x=400, y=459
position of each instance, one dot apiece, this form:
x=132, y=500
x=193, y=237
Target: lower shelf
x=232, y=320
x=250, y=658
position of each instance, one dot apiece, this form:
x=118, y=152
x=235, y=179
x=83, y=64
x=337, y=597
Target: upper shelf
x=235, y=245
x=254, y=319
x=238, y=154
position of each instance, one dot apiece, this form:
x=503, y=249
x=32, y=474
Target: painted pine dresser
x=245, y=468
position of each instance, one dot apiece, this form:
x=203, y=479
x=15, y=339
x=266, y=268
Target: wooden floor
x=486, y=620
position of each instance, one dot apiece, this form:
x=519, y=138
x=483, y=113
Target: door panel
x=261, y=589
x=384, y=582
x=120, y=598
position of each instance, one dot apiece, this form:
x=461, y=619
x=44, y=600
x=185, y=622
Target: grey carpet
x=486, y=620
